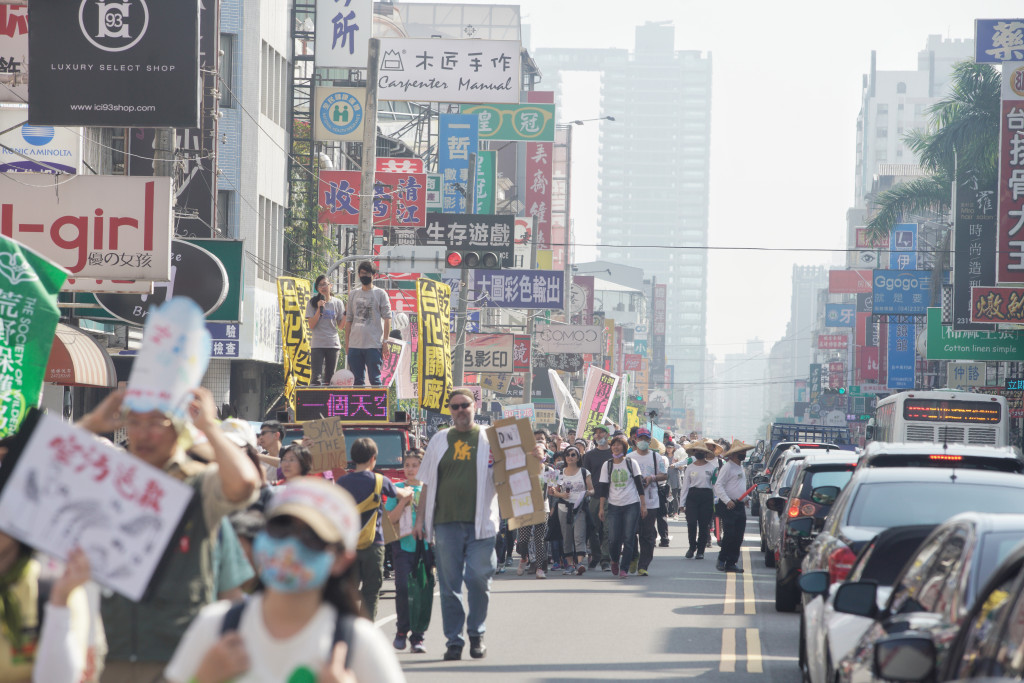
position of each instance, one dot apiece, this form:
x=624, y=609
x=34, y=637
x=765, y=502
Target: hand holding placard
x=516, y=474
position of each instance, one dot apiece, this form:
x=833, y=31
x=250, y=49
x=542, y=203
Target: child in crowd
x=402, y=513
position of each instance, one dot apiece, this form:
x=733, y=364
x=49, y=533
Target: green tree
x=308, y=244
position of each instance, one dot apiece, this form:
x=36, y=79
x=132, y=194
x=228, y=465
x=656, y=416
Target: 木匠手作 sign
x=439, y=70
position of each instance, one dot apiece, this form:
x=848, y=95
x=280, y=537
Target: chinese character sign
x=998, y=40
x=434, y=353
x=832, y=341
x=815, y=381
x=28, y=319
x=840, y=315
x=399, y=199
x=349, y=404
x=485, y=196
x=292, y=295
x=343, y=29
x=457, y=140
x=974, y=242
x=538, y=289
x=464, y=231
x=539, y=172
x=1010, y=264
x=597, y=396
x=901, y=356
x=515, y=122
x=69, y=488
x=967, y=374
x=903, y=247
x=521, y=353
x=394, y=352
x=901, y=292
x=14, y=53
x=441, y=70
x=1000, y=305
x=489, y=353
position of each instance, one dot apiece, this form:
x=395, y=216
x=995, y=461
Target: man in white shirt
x=729, y=488
x=654, y=468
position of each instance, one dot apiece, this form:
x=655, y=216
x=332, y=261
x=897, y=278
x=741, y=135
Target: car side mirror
x=814, y=583
x=763, y=487
x=905, y=657
x=760, y=479
x=825, y=495
x=776, y=504
x=785, y=491
x=857, y=598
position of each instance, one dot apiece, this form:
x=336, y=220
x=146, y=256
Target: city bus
x=942, y=416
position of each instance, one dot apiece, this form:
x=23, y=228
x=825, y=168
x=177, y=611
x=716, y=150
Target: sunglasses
x=284, y=526
x=460, y=406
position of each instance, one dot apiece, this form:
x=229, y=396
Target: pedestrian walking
x=323, y=315
x=458, y=513
x=597, y=532
x=654, y=470
x=730, y=488
x=367, y=327
x=532, y=542
x=573, y=486
x=697, y=497
x=622, y=504
x=675, y=481
x=402, y=513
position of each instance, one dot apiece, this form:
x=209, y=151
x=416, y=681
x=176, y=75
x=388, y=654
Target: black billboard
x=114, y=63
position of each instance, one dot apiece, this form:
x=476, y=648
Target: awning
x=76, y=360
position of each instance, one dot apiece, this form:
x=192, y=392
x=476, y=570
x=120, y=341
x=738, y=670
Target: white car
x=827, y=636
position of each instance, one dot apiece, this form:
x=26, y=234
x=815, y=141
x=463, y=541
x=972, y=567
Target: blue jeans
x=461, y=557
x=621, y=521
x=365, y=362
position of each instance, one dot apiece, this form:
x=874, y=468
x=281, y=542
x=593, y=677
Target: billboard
x=14, y=53
x=439, y=70
x=1010, y=240
x=49, y=149
x=489, y=353
x=903, y=247
x=343, y=33
x=339, y=113
x=127, y=63
x=569, y=338
x=457, y=139
x=901, y=356
x=538, y=289
x=832, y=341
x=998, y=40
x=849, y=281
x=999, y=305
x=974, y=243
x=514, y=122
x=840, y=315
x=539, y=171
x=945, y=343
x=901, y=292
x=398, y=198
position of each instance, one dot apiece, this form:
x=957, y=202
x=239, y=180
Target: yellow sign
x=434, y=363
x=544, y=259
x=292, y=295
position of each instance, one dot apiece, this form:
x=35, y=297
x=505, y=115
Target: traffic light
x=472, y=258
x=841, y=390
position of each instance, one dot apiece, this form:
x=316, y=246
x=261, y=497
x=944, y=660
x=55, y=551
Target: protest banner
x=292, y=295
x=348, y=404
x=565, y=404
x=67, y=488
x=516, y=472
x=434, y=370
x=394, y=351
x=28, y=320
x=325, y=440
x=520, y=410
x=597, y=394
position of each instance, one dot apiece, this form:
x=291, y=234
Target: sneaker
x=720, y=566
x=700, y=555
x=454, y=652
x=541, y=574
x=509, y=561
x=556, y=566
x=580, y=569
x=501, y=569
x=623, y=574
x=633, y=565
x=418, y=648
x=615, y=569
x=605, y=566
x=399, y=641
x=569, y=570
x=732, y=568
x=689, y=553
x=663, y=544
x=593, y=563
x=521, y=569
x=477, y=649
x=641, y=572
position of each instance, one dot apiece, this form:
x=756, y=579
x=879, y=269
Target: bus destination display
x=932, y=410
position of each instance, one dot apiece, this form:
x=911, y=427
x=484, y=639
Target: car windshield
x=882, y=563
x=887, y=504
x=389, y=446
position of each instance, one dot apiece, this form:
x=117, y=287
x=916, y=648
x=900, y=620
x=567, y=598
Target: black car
x=819, y=480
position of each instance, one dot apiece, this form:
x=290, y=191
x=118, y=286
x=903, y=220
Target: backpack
x=629, y=468
x=371, y=502
x=344, y=628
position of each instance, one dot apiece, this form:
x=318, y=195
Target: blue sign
x=840, y=315
x=518, y=288
x=457, y=139
x=903, y=247
x=998, y=40
x=223, y=340
x=640, y=346
x=900, y=292
x=901, y=356
x=341, y=113
x=472, y=317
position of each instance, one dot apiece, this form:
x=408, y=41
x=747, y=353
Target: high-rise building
x=803, y=314
x=654, y=174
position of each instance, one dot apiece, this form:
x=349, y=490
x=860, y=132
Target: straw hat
x=737, y=447
x=693, y=447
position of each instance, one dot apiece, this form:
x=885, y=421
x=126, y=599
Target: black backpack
x=344, y=629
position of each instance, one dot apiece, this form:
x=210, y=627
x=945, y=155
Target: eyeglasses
x=284, y=526
x=460, y=406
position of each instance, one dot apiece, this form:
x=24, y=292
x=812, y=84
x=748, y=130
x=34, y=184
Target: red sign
x=997, y=305
x=867, y=363
x=1010, y=246
x=866, y=241
x=849, y=281
x=832, y=341
x=632, y=362
x=538, y=189
x=521, y=353
x=402, y=300
x=393, y=165
x=399, y=199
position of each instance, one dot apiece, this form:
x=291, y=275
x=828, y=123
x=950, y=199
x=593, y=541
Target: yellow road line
x=727, y=660
x=748, y=584
x=730, y=594
x=754, y=665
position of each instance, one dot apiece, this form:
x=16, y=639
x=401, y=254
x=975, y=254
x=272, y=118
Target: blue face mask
x=286, y=565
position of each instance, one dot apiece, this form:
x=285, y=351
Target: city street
x=685, y=621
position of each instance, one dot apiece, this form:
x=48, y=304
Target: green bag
x=421, y=590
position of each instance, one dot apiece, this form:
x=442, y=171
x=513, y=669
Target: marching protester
x=402, y=513
x=573, y=487
x=697, y=498
x=623, y=504
x=305, y=623
x=674, y=479
x=296, y=461
x=729, y=488
x=367, y=327
x=654, y=469
x=532, y=543
x=323, y=314
x=597, y=532
x=458, y=512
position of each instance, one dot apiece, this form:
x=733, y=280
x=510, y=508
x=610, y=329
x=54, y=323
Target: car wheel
x=787, y=595
x=769, y=558
x=764, y=545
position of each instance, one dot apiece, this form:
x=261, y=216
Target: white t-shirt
x=621, y=489
x=275, y=660
x=647, y=470
x=576, y=485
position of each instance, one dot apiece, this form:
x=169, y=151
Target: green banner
x=514, y=122
x=434, y=202
x=28, y=320
x=486, y=181
x=944, y=343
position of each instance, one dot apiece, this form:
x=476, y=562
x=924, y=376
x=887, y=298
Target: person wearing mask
x=573, y=486
x=402, y=513
x=323, y=314
x=696, y=496
x=730, y=487
x=597, y=532
x=304, y=624
x=622, y=504
x=654, y=468
x=296, y=461
x=367, y=327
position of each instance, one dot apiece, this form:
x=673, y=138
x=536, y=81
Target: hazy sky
x=785, y=97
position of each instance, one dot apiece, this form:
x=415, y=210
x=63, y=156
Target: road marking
x=754, y=665
x=730, y=594
x=748, y=584
x=727, y=660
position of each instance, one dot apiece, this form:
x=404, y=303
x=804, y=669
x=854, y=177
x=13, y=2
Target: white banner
x=565, y=404
x=569, y=338
x=436, y=70
x=98, y=227
x=343, y=31
x=39, y=149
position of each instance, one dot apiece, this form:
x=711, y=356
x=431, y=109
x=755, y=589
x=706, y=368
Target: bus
x=942, y=416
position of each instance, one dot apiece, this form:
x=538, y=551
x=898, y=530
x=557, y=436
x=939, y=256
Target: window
x=901, y=88
x=224, y=213
x=273, y=84
x=882, y=110
x=227, y=65
x=881, y=132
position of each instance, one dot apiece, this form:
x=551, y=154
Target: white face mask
x=642, y=445
x=603, y=441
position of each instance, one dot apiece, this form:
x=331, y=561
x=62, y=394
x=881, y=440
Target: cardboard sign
x=69, y=488
x=496, y=382
x=387, y=527
x=516, y=473
x=325, y=440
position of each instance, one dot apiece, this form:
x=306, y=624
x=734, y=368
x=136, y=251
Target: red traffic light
x=454, y=259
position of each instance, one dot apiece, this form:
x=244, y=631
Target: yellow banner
x=434, y=363
x=292, y=295
x=632, y=417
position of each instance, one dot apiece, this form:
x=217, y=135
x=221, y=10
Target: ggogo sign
x=900, y=292
x=569, y=338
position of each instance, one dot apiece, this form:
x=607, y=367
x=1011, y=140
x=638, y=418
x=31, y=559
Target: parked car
x=877, y=498
x=798, y=518
x=998, y=458
x=933, y=594
x=769, y=517
x=773, y=487
x=826, y=636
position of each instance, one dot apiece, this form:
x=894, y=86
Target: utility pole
x=528, y=380
x=364, y=238
x=459, y=352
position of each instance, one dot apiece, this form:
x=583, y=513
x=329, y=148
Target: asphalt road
x=684, y=621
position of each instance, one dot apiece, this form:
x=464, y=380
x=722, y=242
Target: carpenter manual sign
x=437, y=70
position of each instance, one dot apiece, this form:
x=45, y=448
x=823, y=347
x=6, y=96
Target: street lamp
x=580, y=122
